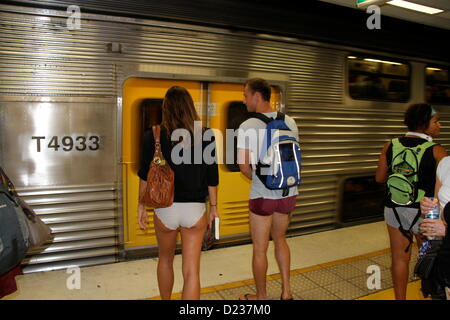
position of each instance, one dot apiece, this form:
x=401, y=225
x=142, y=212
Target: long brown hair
x=178, y=110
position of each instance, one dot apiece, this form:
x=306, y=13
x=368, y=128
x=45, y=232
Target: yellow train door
x=141, y=108
x=227, y=111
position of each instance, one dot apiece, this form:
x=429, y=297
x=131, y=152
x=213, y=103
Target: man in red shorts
x=269, y=209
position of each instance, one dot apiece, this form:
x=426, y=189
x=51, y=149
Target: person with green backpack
x=408, y=167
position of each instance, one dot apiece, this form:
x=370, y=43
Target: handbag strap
x=7, y=182
x=157, y=136
x=27, y=210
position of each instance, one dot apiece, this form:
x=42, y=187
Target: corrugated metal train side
x=60, y=116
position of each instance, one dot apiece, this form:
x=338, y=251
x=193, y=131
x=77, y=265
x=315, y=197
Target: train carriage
x=75, y=100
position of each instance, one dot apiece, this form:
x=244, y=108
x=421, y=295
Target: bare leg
x=280, y=223
x=167, y=240
x=400, y=262
x=260, y=231
x=191, y=239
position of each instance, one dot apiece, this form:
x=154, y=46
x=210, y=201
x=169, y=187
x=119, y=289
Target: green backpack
x=402, y=183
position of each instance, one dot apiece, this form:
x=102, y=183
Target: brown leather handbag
x=159, y=190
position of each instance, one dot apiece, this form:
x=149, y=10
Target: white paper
x=216, y=228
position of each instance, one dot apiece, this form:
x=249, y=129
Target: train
x=79, y=87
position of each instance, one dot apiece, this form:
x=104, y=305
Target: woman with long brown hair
x=195, y=179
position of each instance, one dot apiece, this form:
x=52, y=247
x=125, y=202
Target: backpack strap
x=397, y=147
x=421, y=148
x=396, y=142
x=264, y=118
x=280, y=116
x=260, y=116
x=406, y=233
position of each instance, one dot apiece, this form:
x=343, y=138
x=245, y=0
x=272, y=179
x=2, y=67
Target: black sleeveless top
x=427, y=169
x=191, y=179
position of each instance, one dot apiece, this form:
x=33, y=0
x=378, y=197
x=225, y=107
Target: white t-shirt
x=443, y=173
x=250, y=137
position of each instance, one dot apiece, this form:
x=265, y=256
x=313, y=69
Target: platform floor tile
x=317, y=294
x=346, y=279
x=322, y=277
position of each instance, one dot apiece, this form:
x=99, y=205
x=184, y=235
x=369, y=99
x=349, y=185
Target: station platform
x=329, y=265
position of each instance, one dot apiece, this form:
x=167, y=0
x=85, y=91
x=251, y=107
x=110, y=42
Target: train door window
x=151, y=111
x=236, y=114
x=378, y=79
x=142, y=100
x=362, y=200
x=437, y=87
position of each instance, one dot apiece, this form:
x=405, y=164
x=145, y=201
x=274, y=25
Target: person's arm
x=426, y=204
x=212, y=178
x=212, y=191
x=243, y=159
x=142, y=213
x=439, y=152
x=432, y=227
x=245, y=139
x=381, y=174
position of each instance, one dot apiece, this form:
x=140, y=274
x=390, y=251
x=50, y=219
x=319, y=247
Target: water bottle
x=433, y=214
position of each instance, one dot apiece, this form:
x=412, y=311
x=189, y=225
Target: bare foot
x=247, y=296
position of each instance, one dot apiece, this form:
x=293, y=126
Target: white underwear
x=181, y=214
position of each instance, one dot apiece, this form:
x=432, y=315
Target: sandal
x=246, y=296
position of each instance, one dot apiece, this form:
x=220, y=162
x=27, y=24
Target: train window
x=437, y=88
x=151, y=111
x=376, y=79
x=236, y=114
x=362, y=200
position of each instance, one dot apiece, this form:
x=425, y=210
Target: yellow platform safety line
x=412, y=293
x=413, y=288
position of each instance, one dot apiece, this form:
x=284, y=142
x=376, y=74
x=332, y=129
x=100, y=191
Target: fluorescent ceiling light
x=434, y=69
x=382, y=61
x=366, y=3
x=414, y=6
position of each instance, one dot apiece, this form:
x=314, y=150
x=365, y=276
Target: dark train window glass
x=437, y=87
x=362, y=200
x=236, y=114
x=151, y=112
x=378, y=79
